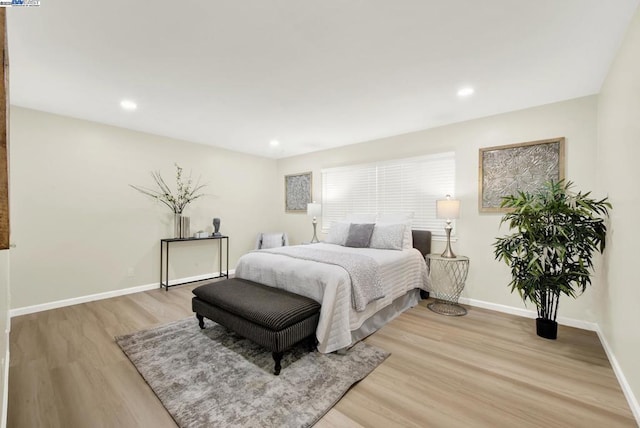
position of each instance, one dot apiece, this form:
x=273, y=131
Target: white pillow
x=407, y=219
x=338, y=233
x=361, y=218
x=388, y=236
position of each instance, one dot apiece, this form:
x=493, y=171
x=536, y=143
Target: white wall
x=4, y=333
x=488, y=279
x=79, y=228
x=619, y=176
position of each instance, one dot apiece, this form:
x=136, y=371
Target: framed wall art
x=505, y=170
x=297, y=191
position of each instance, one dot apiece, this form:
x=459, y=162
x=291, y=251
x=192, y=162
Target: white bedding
x=330, y=285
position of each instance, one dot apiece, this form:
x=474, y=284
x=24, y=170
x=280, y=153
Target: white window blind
x=401, y=185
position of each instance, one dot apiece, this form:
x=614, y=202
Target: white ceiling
x=311, y=74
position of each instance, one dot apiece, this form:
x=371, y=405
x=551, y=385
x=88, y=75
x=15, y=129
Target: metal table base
x=164, y=261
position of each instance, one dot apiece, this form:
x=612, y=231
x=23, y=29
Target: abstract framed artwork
x=297, y=191
x=505, y=170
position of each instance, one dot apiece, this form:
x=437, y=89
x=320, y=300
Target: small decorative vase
x=185, y=229
x=181, y=226
x=547, y=329
x=177, y=224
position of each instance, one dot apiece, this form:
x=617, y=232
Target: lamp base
x=315, y=236
x=448, y=253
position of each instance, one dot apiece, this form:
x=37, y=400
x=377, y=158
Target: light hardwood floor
x=485, y=369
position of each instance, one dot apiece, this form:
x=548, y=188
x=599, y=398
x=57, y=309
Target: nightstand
x=447, y=277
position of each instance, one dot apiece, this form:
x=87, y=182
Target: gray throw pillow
x=359, y=235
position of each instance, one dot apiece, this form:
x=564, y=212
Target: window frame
x=413, y=184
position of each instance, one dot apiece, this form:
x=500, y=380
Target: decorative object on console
x=557, y=232
x=297, y=189
x=448, y=209
x=216, y=227
x=182, y=226
x=186, y=192
x=314, y=210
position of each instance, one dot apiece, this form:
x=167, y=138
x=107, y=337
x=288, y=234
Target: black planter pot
x=546, y=328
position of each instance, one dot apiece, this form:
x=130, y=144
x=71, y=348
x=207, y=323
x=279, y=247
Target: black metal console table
x=164, y=262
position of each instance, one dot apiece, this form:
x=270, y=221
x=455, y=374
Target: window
x=401, y=185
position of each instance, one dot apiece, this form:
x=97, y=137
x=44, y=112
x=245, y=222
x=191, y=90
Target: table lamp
x=448, y=209
x=314, y=210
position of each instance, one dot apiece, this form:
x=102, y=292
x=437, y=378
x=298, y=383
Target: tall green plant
x=551, y=252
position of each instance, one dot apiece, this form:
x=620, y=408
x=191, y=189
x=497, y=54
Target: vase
x=547, y=329
x=185, y=229
x=177, y=225
x=181, y=226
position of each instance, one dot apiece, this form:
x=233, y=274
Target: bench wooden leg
x=200, y=320
x=311, y=343
x=277, y=357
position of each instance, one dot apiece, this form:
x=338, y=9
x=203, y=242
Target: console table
x=447, y=276
x=164, y=261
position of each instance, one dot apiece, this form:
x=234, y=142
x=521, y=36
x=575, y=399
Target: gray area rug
x=215, y=378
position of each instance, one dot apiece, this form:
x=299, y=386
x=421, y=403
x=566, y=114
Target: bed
x=401, y=274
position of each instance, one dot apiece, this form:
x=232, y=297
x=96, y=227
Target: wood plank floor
x=485, y=369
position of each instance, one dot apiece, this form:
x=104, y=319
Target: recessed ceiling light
x=465, y=92
x=274, y=143
x=128, y=105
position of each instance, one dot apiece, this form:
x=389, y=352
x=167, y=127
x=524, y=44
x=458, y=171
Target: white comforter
x=330, y=285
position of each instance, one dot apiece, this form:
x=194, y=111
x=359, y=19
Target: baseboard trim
x=106, y=295
x=626, y=388
x=585, y=325
x=527, y=313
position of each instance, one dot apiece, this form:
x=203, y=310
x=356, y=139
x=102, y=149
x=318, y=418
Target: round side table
x=447, y=277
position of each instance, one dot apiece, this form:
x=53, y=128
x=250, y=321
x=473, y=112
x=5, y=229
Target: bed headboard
x=422, y=241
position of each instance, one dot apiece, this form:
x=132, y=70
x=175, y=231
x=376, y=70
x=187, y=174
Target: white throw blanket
x=330, y=285
x=363, y=271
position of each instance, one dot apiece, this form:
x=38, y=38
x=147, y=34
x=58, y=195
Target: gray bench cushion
x=266, y=306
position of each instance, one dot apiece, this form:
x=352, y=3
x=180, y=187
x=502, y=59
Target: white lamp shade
x=314, y=210
x=447, y=208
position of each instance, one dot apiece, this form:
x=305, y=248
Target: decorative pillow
x=272, y=240
x=387, y=236
x=359, y=235
x=361, y=218
x=407, y=219
x=338, y=233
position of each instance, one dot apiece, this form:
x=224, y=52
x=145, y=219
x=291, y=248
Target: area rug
x=215, y=378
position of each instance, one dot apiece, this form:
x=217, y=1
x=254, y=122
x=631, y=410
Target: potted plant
x=551, y=251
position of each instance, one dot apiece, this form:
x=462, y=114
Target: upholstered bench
x=273, y=318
